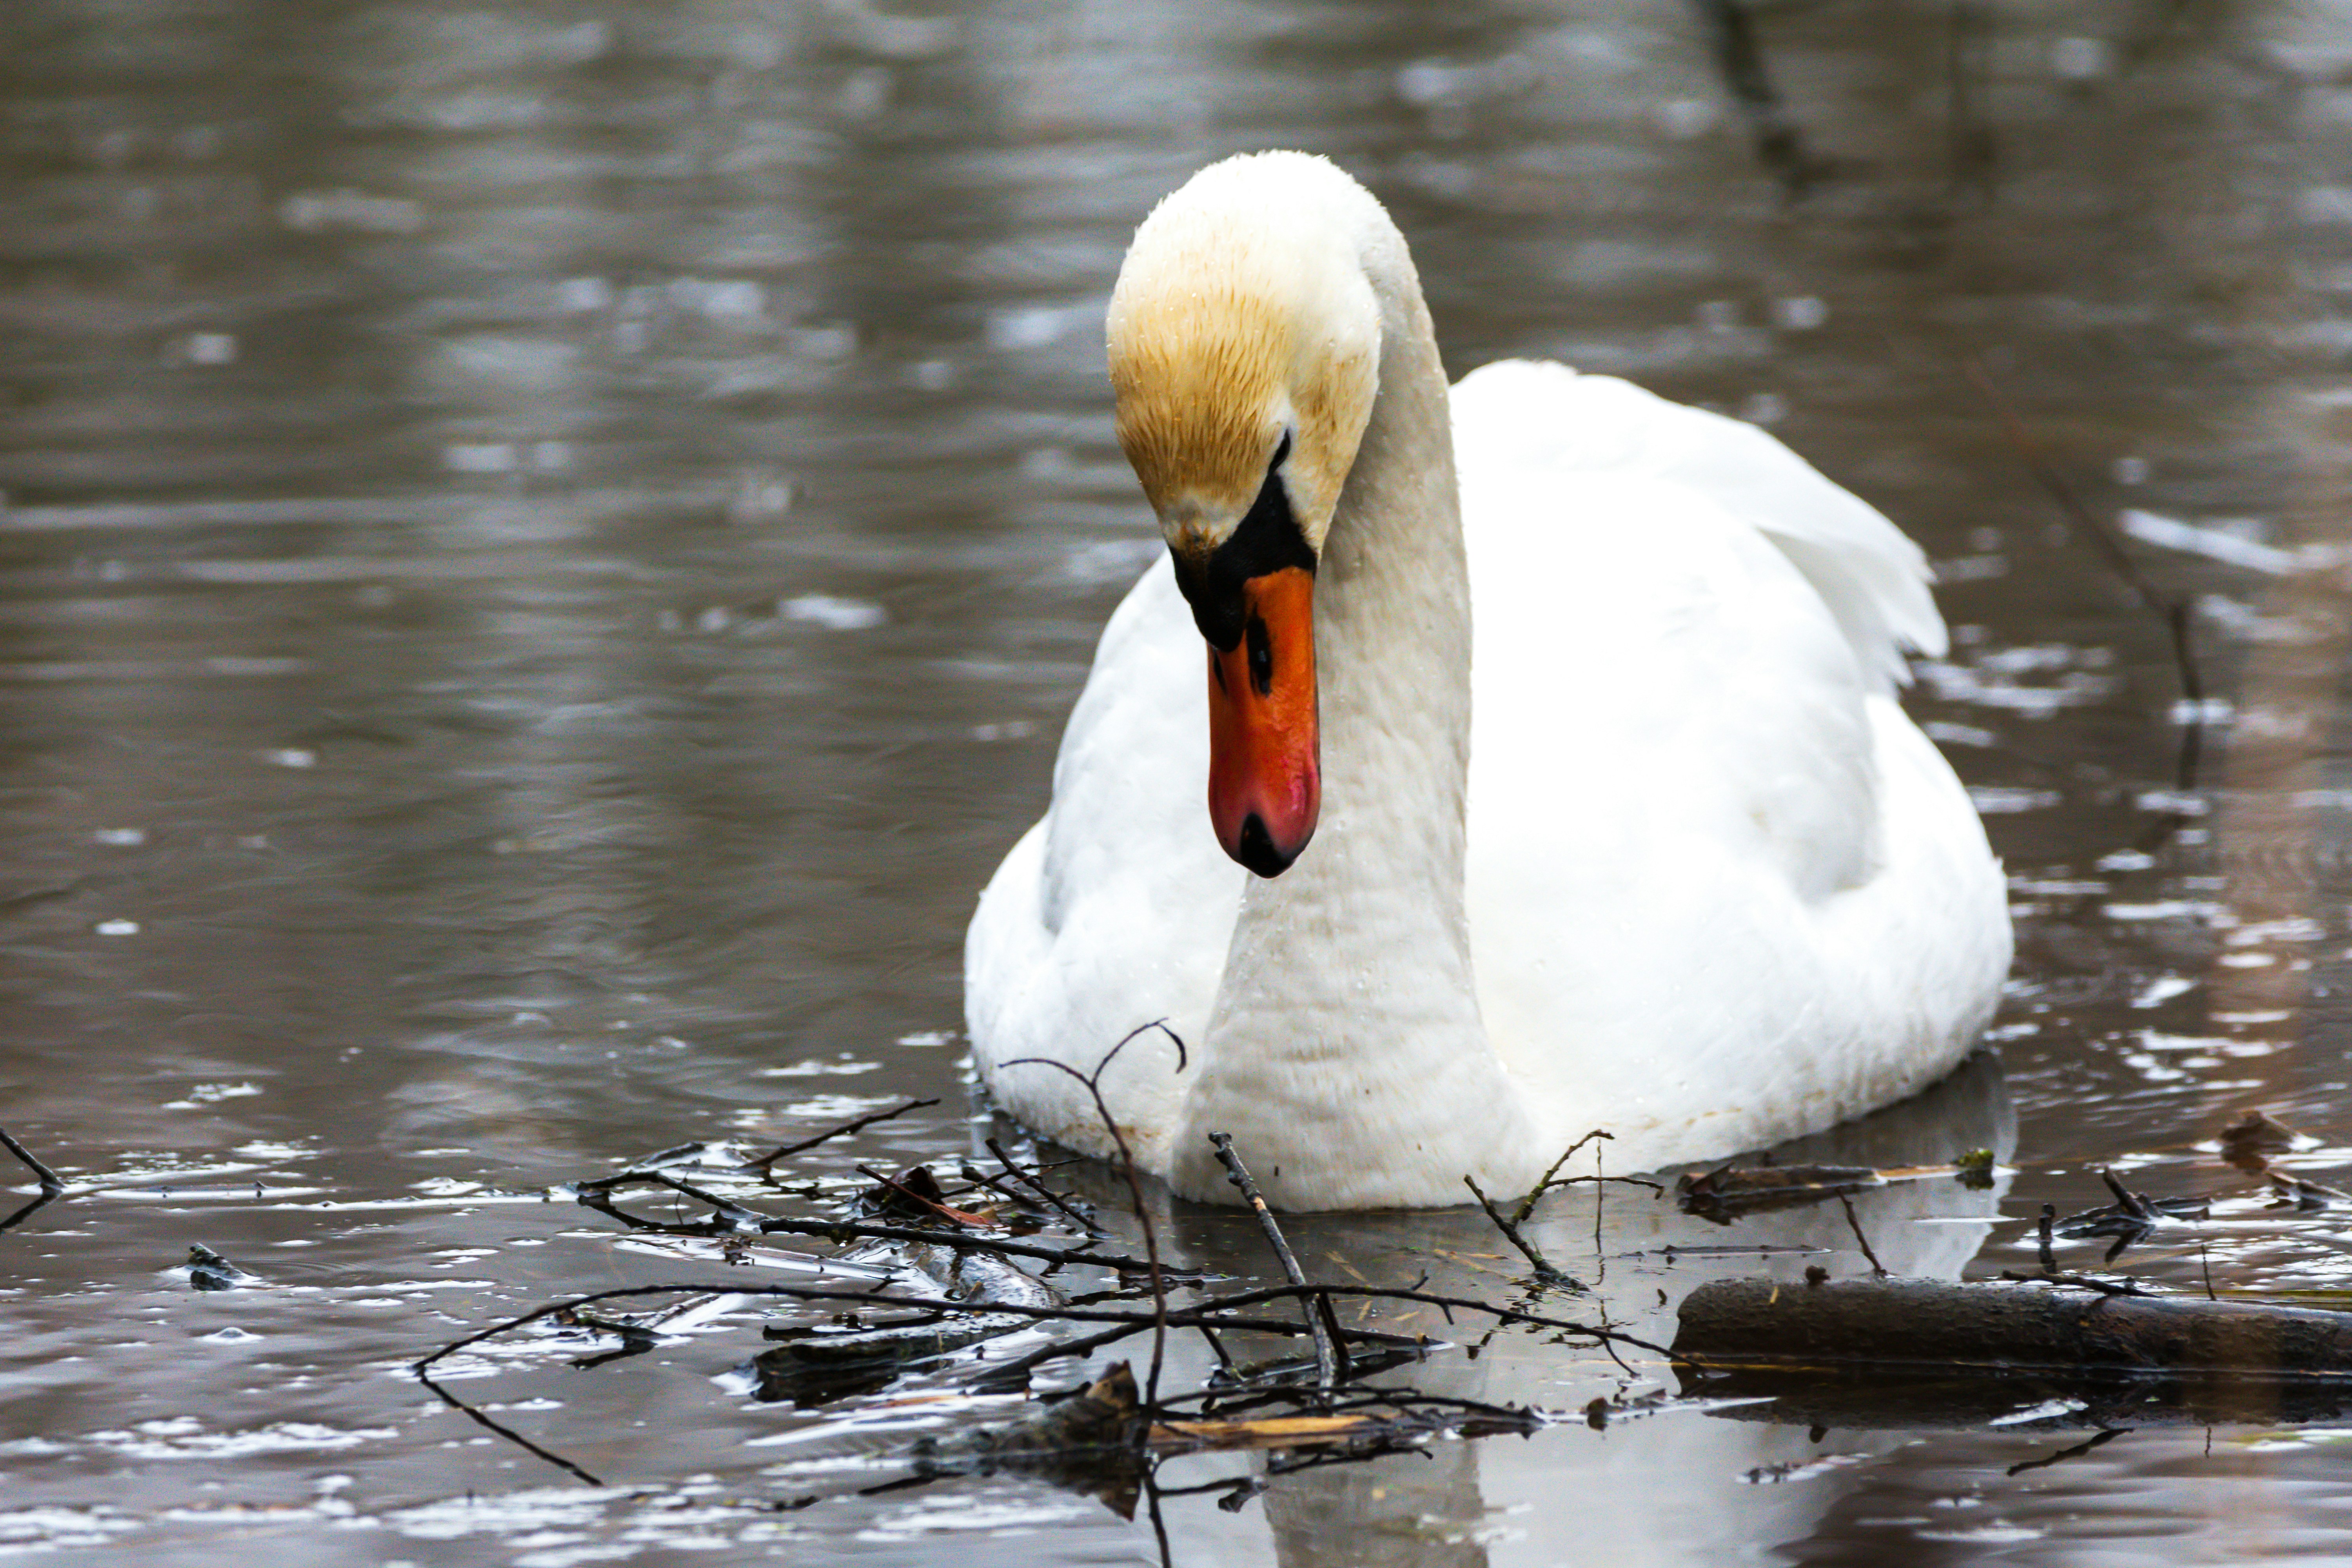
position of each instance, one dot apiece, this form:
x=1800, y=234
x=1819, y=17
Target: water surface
x=547, y=548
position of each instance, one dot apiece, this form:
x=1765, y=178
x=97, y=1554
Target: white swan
x=1693, y=877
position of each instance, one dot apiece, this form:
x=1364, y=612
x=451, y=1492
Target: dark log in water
x=1997, y=1328
x=1921, y=1354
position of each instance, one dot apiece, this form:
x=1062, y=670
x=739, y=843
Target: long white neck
x=1345, y=1052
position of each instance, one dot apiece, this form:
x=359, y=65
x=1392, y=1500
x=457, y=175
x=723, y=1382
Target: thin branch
x=858, y=1231
x=2079, y=1281
x=736, y=1214
x=1207, y=1319
x=1528, y=1203
x=1599, y=1197
x=1545, y=1272
x=1326, y=1355
x=1042, y=1190
x=52, y=1183
x=1875, y=1267
x=1134, y=1186
x=766, y=1163
x=943, y=1210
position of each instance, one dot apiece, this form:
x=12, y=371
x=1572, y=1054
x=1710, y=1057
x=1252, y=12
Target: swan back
x=1872, y=578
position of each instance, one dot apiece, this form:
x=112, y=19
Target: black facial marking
x=1268, y=540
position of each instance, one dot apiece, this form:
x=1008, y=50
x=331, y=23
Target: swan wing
x=1115, y=908
x=1719, y=883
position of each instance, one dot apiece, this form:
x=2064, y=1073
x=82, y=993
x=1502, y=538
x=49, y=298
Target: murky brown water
x=546, y=548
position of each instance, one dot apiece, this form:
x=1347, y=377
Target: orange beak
x=1266, y=781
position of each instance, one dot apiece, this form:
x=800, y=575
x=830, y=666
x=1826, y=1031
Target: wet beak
x=1265, y=781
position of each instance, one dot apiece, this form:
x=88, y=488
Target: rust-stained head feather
x=1242, y=313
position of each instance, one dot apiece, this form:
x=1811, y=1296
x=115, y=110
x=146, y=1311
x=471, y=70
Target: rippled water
x=546, y=548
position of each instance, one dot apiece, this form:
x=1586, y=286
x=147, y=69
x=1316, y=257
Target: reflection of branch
x=29, y=1210
x=2173, y=612
x=508, y=1433
x=1158, y=1525
x=1217, y=1312
x=1740, y=60
x=1974, y=152
x=1224, y=1313
x=2105, y=1435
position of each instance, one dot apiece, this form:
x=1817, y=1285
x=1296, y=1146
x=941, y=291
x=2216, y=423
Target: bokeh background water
x=546, y=546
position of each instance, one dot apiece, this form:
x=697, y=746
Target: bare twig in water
x=1326, y=1355
x=1093, y=1082
x=2175, y=613
x=1042, y=1190
x=1218, y=1313
x=1862, y=1241
x=1224, y=1313
x=1600, y=1196
x=766, y=1163
x=2078, y=1281
x=1528, y=1203
x=2130, y=1202
x=937, y=1208
x=52, y=1183
x=1545, y=1272
x=859, y=1230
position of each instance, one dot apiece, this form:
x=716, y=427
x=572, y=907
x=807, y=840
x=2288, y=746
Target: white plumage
x=1720, y=889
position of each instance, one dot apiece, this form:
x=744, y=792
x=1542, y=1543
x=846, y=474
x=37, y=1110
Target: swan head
x=1245, y=341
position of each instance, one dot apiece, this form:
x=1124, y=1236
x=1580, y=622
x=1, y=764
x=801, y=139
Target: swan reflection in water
x=1562, y=1495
